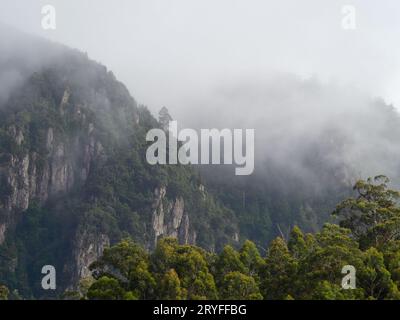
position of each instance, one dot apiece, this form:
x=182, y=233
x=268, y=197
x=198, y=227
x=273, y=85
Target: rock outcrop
x=28, y=175
x=74, y=178
x=87, y=249
x=170, y=219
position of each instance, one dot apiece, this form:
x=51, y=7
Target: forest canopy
x=303, y=266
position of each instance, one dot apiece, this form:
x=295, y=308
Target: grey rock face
x=170, y=219
x=88, y=248
x=28, y=176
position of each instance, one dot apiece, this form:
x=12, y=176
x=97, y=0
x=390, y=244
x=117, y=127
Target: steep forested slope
x=74, y=176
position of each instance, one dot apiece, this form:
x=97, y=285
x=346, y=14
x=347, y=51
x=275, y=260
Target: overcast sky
x=166, y=50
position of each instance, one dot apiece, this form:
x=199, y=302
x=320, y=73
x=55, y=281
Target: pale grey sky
x=167, y=50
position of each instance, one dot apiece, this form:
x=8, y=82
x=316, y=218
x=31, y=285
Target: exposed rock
x=64, y=100
x=17, y=134
x=2, y=232
x=50, y=138
x=170, y=219
x=186, y=235
x=30, y=175
x=17, y=179
x=158, y=214
x=176, y=219
x=60, y=175
x=87, y=249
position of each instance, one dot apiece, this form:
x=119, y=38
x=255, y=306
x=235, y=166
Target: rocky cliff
x=74, y=178
x=170, y=219
x=31, y=176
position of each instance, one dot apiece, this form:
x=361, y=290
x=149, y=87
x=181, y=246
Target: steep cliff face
x=52, y=130
x=87, y=249
x=170, y=219
x=31, y=175
x=74, y=178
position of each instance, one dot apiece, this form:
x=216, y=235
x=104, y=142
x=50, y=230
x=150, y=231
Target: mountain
x=74, y=178
x=73, y=173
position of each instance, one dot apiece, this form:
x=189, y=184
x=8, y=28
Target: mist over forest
x=291, y=116
x=314, y=138
x=78, y=193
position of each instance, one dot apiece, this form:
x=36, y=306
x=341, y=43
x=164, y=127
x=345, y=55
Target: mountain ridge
x=75, y=179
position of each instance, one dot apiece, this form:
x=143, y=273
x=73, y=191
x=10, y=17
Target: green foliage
x=375, y=278
x=107, y=288
x=128, y=263
x=228, y=261
x=307, y=266
x=325, y=290
x=278, y=273
x=373, y=215
x=332, y=249
x=117, y=201
x=170, y=287
x=176, y=271
x=238, y=286
x=251, y=259
x=297, y=244
x=190, y=264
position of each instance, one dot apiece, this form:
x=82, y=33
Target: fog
x=163, y=50
x=286, y=68
x=303, y=125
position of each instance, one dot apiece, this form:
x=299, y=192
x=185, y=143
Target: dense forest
x=77, y=193
x=303, y=266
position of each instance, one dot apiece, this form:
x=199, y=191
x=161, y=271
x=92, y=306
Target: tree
x=229, y=261
x=333, y=249
x=391, y=255
x=191, y=265
x=170, y=287
x=307, y=267
x=251, y=258
x=107, y=288
x=375, y=278
x=279, y=271
x=164, y=118
x=325, y=290
x=128, y=264
x=238, y=286
x=297, y=244
x=373, y=215
x=192, y=268
x=163, y=257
